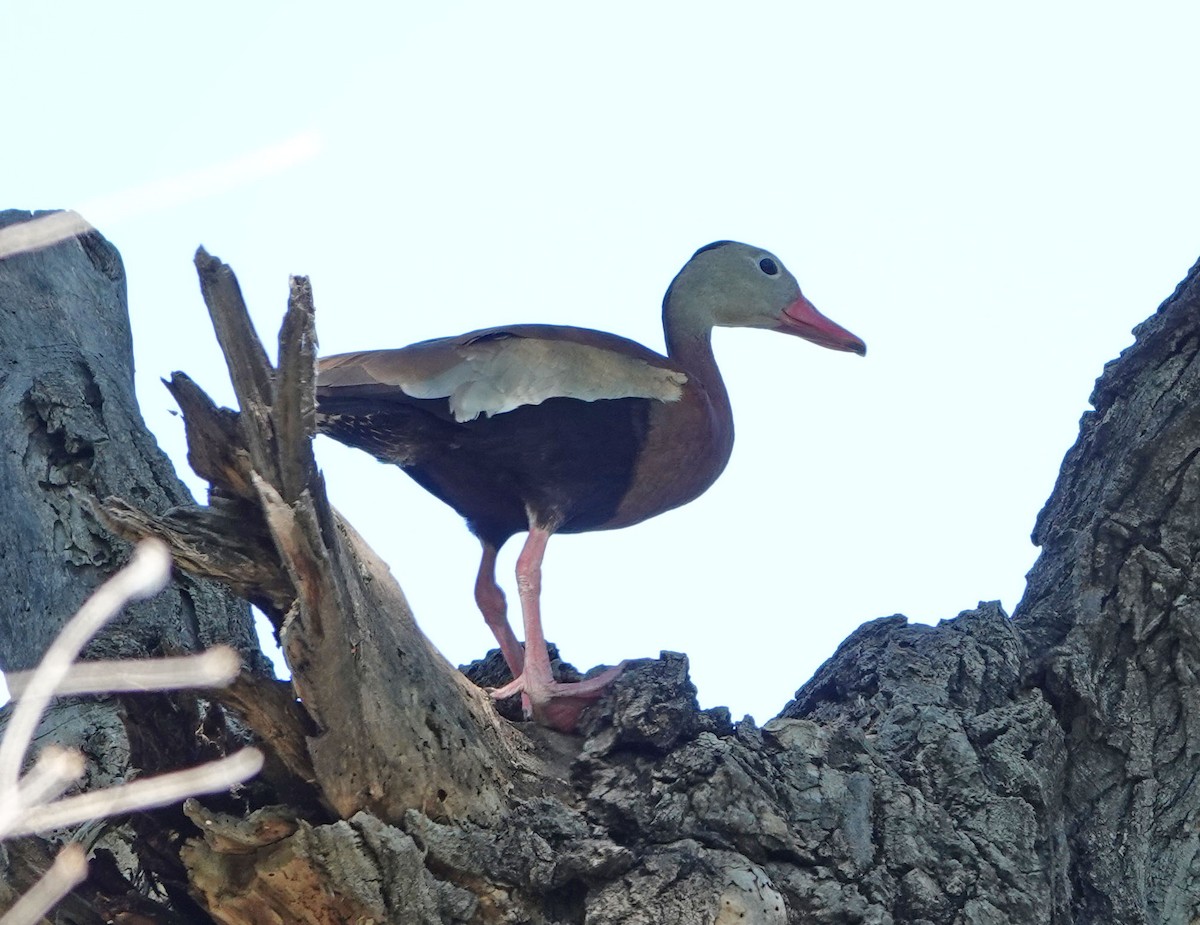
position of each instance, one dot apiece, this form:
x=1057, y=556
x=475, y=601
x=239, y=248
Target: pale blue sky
x=990, y=196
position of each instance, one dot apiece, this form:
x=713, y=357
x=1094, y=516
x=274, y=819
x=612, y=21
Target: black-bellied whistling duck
x=553, y=429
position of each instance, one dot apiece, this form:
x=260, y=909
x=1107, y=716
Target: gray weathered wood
x=394, y=725
x=72, y=431
x=1111, y=619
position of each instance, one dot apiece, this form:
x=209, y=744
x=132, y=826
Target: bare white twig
x=54, y=771
x=160, y=194
x=41, y=232
x=216, y=667
x=141, y=794
x=31, y=803
x=145, y=575
x=67, y=871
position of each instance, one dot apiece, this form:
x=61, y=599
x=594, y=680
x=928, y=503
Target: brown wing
x=497, y=370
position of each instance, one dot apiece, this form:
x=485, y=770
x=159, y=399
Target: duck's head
x=729, y=284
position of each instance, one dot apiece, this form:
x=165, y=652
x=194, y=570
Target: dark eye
x=769, y=266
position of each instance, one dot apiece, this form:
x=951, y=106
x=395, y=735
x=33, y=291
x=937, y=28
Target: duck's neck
x=690, y=345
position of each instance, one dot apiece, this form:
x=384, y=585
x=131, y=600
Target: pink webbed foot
x=558, y=704
x=551, y=703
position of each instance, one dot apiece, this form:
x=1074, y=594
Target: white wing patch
x=502, y=374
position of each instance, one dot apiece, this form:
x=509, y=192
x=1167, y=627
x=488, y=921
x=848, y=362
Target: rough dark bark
x=986, y=770
x=72, y=431
x=1111, y=618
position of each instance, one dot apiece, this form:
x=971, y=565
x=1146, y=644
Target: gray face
x=736, y=285
x=733, y=285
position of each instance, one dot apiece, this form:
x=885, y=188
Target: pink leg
x=553, y=704
x=491, y=603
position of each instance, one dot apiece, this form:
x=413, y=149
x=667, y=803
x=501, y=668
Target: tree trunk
x=986, y=770
x=72, y=432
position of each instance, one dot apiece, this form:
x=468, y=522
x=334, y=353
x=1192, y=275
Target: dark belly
x=570, y=462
